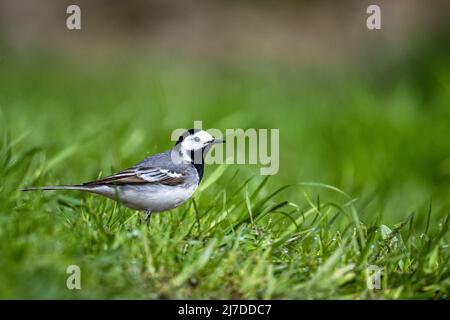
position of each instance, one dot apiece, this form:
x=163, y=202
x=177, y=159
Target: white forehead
x=203, y=135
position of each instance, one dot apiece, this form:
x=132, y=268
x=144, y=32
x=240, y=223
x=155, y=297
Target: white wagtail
x=158, y=183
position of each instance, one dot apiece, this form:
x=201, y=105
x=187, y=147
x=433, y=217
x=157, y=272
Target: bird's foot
x=146, y=217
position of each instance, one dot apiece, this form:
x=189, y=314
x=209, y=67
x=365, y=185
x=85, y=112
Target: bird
x=158, y=183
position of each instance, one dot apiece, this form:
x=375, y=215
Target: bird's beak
x=218, y=141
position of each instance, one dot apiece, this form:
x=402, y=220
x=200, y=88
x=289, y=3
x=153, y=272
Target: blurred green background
x=365, y=111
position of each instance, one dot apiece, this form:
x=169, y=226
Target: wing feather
x=136, y=175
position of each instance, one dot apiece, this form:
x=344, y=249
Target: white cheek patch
x=188, y=144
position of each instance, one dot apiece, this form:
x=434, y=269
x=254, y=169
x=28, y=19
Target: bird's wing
x=140, y=175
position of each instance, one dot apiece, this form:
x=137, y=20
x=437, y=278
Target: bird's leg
x=147, y=214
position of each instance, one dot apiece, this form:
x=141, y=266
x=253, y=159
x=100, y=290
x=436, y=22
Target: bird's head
x=196, y=139
x=193, y=145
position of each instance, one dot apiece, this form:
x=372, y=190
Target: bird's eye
x=197, y=139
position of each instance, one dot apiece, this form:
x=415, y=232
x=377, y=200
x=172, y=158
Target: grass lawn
x=364, y=180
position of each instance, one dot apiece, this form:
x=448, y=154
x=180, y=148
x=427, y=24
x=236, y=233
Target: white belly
x=154, y=198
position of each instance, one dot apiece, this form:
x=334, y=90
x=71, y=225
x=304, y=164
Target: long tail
x=71, y=187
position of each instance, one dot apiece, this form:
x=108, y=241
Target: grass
x=364, y=180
